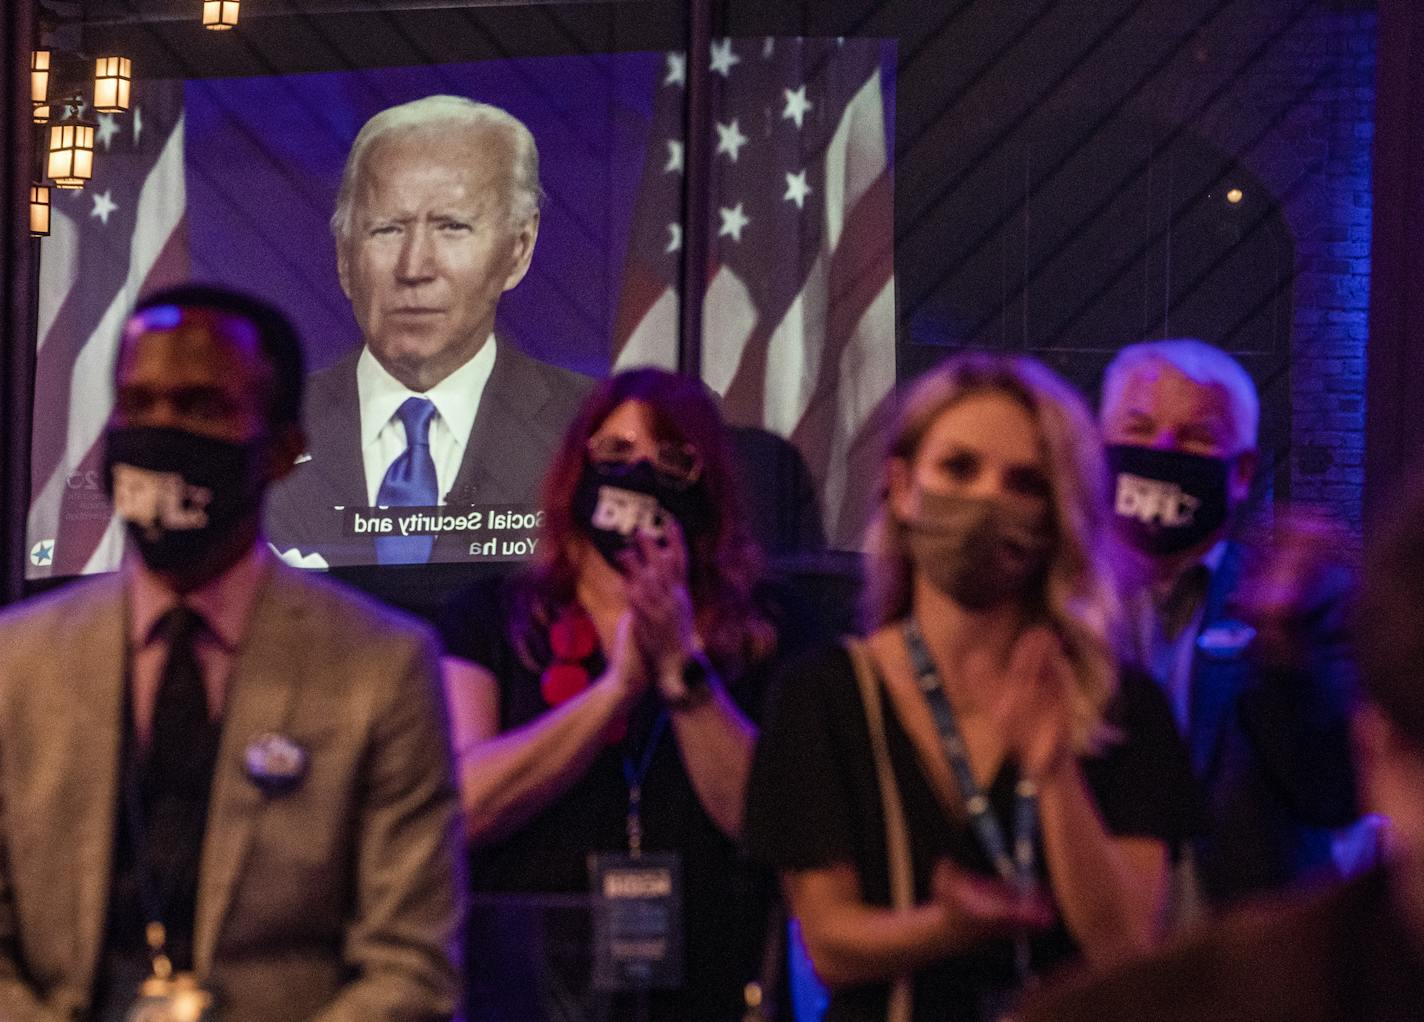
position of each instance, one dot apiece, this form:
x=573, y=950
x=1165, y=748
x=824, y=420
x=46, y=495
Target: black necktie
x=178, y=773
x=181, y=747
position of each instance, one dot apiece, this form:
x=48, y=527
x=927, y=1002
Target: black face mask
x=612, y=503
x=1167, y=501
x=180, y=495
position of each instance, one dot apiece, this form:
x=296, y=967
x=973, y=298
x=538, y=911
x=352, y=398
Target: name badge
x=177, y=998
x=637, y=921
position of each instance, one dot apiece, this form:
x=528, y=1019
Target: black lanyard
x=635, y=776
x=1018, y=869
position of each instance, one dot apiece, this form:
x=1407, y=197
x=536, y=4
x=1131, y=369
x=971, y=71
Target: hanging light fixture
x=39, y=84
x=39, y=211
x=219, y=15
x=113, y=81
x=71, y=151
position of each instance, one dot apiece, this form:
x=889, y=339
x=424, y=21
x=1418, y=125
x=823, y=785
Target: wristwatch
x=697, y=677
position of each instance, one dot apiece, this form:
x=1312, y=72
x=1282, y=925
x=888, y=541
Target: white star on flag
x=103, y=206
x=674, y=161
x=676, y=69
x=797, y=189
x=730, y=139
x=723, y=58
x=796, y=105
x=733, y=220
x=108, y=128
x=799, y=303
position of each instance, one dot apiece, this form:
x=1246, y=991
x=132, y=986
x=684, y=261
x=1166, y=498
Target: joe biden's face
x=432, y=247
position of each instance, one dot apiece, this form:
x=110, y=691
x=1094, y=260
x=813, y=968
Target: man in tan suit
x=220, y=778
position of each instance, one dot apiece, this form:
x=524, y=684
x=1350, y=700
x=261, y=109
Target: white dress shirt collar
x=456, y=398
x=457, y=402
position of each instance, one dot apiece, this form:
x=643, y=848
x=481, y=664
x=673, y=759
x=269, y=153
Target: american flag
x=118, y=238
x=799, y=313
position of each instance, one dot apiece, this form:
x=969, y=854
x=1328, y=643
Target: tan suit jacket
x=338, y=900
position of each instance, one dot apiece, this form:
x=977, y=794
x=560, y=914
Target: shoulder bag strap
x=897, y=834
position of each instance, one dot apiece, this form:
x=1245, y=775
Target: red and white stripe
x=157, y=256
x=818, y=376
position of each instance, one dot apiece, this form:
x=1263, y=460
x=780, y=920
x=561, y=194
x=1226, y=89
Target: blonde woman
x=970, y=795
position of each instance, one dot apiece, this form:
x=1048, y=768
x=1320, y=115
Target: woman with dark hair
x=598, y=703
x=972, y=795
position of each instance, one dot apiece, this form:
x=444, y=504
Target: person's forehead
x=990, y=423
x=1161, y=391
x=481, y=153
x=631, y=418
x=189, y=339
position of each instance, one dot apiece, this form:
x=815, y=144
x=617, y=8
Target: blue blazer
x=1270, y=746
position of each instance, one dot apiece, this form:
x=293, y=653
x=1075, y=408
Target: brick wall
x=1331, y=222
x=1317, y=78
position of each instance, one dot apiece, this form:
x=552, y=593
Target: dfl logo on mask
x=1167, y=501
x=159, y=501
x=1152, y=501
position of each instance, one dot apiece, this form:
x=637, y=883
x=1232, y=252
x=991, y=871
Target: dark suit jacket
x=1271, y=747
x=337, y=901
x=523, y=413
x=1342, y=956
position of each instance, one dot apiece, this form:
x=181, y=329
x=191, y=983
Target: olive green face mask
x=979, y=551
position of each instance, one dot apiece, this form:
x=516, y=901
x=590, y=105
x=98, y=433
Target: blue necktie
x=410, y=482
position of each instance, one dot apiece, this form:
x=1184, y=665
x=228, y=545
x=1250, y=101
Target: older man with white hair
x=1353, y=952
x=1249, y=645
x=436, y=218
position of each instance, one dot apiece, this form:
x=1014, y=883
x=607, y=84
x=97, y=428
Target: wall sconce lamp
x=39, y=84
x=113, y=81
x=71, y=152
x=220, y=15
x=39, y=211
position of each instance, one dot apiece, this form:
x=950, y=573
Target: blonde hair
x=524, y=196
x=1080, y=596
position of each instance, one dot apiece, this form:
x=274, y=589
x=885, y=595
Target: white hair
x=525, y=195
x=1205, y=365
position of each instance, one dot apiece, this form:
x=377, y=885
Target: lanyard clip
x=156, y=936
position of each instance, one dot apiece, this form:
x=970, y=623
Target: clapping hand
x=1297, y=584
x=1034, y=704
x=626, y=669
x=976, y=909
x=655, y=569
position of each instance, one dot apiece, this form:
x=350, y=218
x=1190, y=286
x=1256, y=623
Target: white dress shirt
x=456, y=399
